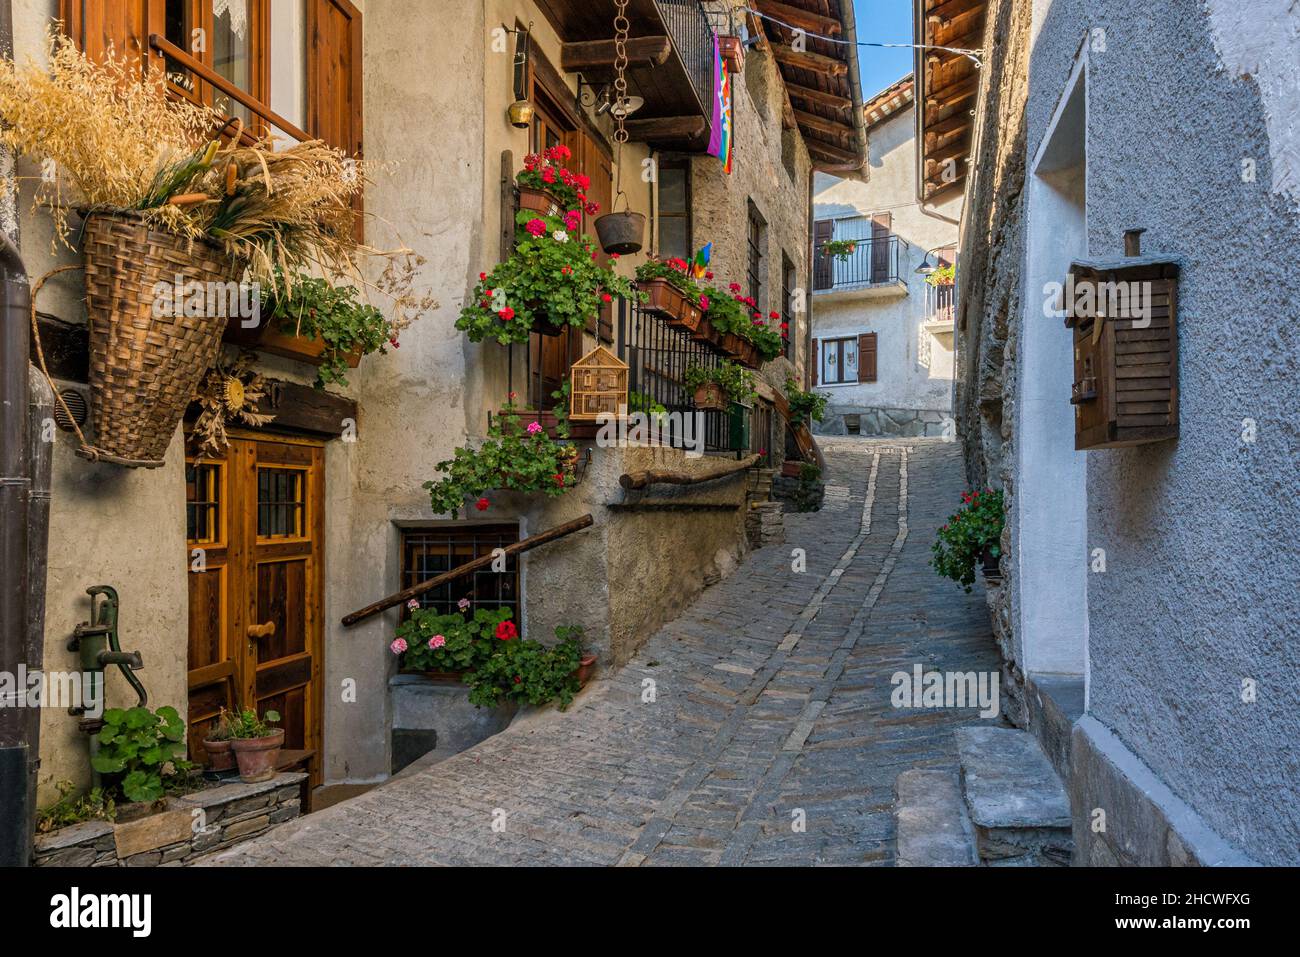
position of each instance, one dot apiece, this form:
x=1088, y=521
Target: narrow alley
x=756, y=729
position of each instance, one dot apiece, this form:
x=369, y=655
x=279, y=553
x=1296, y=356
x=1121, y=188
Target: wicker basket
x=144, y=367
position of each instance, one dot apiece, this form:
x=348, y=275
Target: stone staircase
x=1005, y=808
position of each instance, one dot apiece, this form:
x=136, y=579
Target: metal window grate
x=281, y=503
x=202, y=502
x=427, y=553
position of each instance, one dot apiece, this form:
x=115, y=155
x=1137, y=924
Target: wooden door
x=255, y=608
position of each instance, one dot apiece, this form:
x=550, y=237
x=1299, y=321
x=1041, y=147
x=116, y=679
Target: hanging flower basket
x=621, y=232
x=541, y=201
x=144, y=364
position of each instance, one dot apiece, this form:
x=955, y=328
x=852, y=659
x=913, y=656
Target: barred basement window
x=428, y=552
x=757, y=253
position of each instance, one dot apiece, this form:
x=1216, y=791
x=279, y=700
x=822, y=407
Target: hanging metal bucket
x=621, y=232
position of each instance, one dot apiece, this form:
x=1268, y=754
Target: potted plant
x=447, y=647
x=805, y=407
x=256, y=744
x=970, y=536
x=514, y=457
x=217, y=744
x=548, y=187
x=732, y=51
x=669, y=291
x=944, y=275
x=527, y=671
x=716, y=387
x=552, y=280
x=841, y=249
x=139, y=753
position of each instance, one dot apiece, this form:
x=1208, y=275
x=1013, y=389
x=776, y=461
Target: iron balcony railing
x=940, y=302
x=872, y=262
x=688, y=27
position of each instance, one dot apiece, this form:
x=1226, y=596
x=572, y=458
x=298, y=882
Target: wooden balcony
x=670, y=63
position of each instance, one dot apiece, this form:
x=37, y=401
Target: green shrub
x=961, y=542
x=139, y=751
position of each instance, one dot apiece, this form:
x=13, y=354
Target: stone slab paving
x=756, y=729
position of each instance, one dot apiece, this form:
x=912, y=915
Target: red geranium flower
x=507, y=631
x=482, y=504
x=507, y=313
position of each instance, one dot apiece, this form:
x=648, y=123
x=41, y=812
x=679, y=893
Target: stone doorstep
x=1015, y=799
x=932, y=825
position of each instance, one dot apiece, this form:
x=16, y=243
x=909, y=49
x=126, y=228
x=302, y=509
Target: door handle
x=265, y=630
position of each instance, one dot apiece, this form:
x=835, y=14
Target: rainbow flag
x=720, y=144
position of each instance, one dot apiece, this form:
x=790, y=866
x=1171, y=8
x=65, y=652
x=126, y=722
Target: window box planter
x=742, y=350
x=791, y=468
x=439, y=677
x=549, y=422
x=539, y=201
x=662, y=298
x=732, y=50
x=711, y=397
x=266, y=338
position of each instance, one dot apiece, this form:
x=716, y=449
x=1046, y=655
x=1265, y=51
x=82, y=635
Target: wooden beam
x=658, y=129
x=808, y=95
x=301, y=408
x=953, y=93
x=947, y=12
x=823, y=125
x=949, y=124
x=632, y=480
x=798, y=17
x=460, y=571
x=815, y=62
x=828, y=152
x=596, y=54
x=958, y=147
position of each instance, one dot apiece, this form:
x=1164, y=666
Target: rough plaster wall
x=1200, y=533
x=988, y=297
x=719, y=209
x=914, y=366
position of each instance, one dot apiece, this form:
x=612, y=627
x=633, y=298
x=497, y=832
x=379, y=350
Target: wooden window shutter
x=590, y=158
x=867, y=357
x=816, y=359
x=334, y=80
x=881, y=224
x=95, y=26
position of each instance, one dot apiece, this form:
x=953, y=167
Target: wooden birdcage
x=598, y=385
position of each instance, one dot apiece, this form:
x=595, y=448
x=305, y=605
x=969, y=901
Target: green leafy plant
x=841, y=249
x=739, y=315
x=962, y=540
x=736, y=382
x=640, y=402
x=677, y=272
x=139, y=750
x=804, y=406
x=246, y=724
x=528, y=671
x=466, y=643
x=945, y=275
x=314, y=309
x=73, y=808
x=554, y=275
x=546, y=170
x=807, y=497
x=513, y=457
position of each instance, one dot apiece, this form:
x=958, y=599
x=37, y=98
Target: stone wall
x=191, y=826
x=855, y=420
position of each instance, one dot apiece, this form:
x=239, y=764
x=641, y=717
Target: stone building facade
x=1144, y=582
x=439, y=134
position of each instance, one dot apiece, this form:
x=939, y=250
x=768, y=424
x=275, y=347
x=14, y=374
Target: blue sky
x=883, y=21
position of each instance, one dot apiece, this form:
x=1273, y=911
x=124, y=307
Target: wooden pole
x=682, y=476
x=461, y=571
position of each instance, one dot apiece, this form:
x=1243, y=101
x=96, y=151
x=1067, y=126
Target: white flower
x=560, y=236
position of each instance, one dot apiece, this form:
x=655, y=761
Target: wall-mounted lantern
x=520, y=112
x=1123, y=313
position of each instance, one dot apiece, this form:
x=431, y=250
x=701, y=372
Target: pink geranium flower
x=536, y=226
x=437, y=641
x=398, y=646
x=534, y=428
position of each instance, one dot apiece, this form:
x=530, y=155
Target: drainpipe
x=18, y=748
x=850, y=35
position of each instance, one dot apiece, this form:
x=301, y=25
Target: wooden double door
x=255, y=541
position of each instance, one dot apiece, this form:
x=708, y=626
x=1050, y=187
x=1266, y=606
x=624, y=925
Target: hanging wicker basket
x=144, y=364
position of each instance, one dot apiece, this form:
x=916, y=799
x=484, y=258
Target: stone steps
x=930, y=816
x=1014, y=798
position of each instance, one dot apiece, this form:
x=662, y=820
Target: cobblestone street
x=770, y=738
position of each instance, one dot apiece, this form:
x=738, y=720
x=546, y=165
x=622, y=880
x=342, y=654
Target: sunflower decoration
x=229, y=396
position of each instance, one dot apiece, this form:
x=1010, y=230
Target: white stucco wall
x=914, y=365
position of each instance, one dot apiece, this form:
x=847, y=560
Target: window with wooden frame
x=428, y=552
x=839, y=361
x=789, y=285
x=757, y=260
x=673, y=208
x=281, y=502
x=204, y=502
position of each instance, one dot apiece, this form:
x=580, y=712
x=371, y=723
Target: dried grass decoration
x=228, y=397
x=161, y=197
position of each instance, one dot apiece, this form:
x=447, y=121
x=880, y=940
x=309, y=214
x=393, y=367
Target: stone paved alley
x=771, y=696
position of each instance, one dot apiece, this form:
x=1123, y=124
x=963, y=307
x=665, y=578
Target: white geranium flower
x=560, y=236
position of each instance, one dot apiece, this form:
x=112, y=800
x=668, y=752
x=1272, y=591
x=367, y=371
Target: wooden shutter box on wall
x=867, y=357
x=1124, y=318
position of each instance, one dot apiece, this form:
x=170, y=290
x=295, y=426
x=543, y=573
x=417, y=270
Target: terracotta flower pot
x=585, y=668
x=662, y=298
x=220, y=756
x=710, y=396
x=257, y=756
x=791, y=468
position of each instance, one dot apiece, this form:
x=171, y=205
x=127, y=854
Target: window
x=281, y=502
x=202, y=503
x=674, y=208
x=757, y=251
x=231, y=37
x=839, y=361
x=428, y=552
x=789, y=285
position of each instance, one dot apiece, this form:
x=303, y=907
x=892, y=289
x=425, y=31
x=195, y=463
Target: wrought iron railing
x=688, y=27
x=872, y=261
x=658, y=357
x=940, y=301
